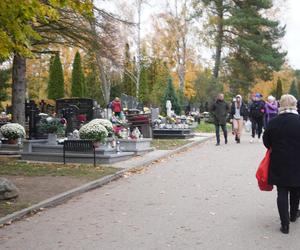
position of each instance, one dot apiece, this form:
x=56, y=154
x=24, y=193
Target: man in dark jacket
x=256, y=114
x=219, y=111
x=282, y=136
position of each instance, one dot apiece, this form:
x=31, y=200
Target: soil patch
x=36, y=189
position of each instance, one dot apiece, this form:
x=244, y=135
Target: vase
x=12, y=141
x=52, y=139
x=96, y=144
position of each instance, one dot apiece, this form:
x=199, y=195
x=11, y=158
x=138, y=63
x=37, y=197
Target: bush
x=52, y=125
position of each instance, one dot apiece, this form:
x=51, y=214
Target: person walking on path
x=282, y=136
x=271, y=109
x=238, y=114
x=256, y=114
x=219, y=111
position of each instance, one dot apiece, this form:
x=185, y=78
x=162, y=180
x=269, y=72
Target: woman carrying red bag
x=282, y=135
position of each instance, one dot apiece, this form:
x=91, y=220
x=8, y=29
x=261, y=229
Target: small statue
x=169, y=107
x=75, y=135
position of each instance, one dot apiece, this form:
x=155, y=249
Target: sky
x=290, y=17
x=291, y=41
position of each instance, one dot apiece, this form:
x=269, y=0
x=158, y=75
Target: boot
x=284, y=229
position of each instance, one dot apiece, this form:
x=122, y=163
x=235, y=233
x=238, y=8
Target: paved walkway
x=205, y=198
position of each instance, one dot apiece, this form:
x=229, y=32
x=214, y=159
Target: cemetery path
x=205, y=198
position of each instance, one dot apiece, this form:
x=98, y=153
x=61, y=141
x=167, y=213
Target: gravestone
x=7, y=189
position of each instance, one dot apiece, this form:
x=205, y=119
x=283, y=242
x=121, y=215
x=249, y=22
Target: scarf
x=288, y=110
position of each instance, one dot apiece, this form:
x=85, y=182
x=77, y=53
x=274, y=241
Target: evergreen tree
x=92, y=83
x=78, y=85
x=5, y=75
x=128, y=74
x=144, y=81
x=170, y=94
x=255, y=45
x=278, y=89
x=56, y=79
x=251, y=37
x=293, y=89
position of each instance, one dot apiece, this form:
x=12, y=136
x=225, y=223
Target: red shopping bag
x=262, y=173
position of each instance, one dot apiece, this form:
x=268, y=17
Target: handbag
x=262, y=173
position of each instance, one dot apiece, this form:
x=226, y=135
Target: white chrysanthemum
x=104, y=122
x=13, y=131
x=93, y=131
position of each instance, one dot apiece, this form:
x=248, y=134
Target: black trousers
x=257, y=125
x=283, y=195
x=224, y=128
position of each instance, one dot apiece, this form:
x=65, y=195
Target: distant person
x=219, y=111
x=256, y=115
x=116, y=106
x=238, y=114
x=282, y=136
x=271, y=109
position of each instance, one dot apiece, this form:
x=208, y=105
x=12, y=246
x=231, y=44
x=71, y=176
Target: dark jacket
x=283, y=137
x=257, y=109
x=220, y=111
x=243, y=110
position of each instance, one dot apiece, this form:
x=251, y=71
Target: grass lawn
x=168, y=144
x=13, y=167
x=209, y=127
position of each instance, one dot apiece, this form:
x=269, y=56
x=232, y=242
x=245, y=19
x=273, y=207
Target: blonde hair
x=287, y=102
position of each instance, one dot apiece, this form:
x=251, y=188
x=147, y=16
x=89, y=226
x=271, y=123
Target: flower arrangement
x=51, y=125
x=13, y=131
x=104, y=122
x=93, y=131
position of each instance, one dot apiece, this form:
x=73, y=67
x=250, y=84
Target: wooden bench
x=79, y=146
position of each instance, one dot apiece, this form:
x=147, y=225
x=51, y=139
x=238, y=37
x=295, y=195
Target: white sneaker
x=251, y=140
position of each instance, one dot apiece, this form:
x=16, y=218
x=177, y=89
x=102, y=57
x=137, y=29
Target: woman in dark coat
x=282, y=136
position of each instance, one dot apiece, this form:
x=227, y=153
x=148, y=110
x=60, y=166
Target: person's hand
x=230, y=120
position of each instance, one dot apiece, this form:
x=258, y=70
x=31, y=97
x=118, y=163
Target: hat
x=258, y=95
x=288, y=102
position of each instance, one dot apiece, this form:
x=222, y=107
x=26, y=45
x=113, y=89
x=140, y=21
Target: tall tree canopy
x=245, y=38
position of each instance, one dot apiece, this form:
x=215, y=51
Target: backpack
x=257, y=109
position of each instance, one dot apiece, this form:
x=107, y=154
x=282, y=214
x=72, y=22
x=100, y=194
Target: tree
x=56, y=79
x=128, y=81
x=278, y=89
x=5, y=75
x=78, y=85
x=254, y=42
x=158, y=78
x=170, y=94
x=25, y=24
x=293, y=90
x=144, y=75
x=250, y=38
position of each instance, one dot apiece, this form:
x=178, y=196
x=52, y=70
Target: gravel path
x=204, y=198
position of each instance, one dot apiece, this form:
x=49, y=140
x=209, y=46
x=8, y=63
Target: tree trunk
x=219, y=39
x=18, y=89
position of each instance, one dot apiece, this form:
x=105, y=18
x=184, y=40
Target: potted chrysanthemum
x=12, y=132
x=106, y=123
x=93, y=131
